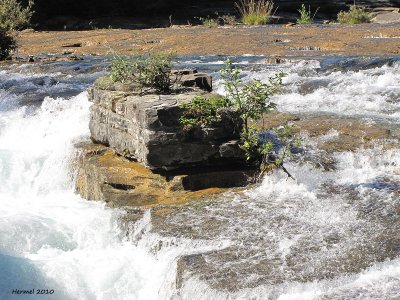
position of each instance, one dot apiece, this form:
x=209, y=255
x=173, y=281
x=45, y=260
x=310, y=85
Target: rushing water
x=332, y=234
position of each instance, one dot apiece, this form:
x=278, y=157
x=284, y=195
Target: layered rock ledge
x=141, y=156
x=146, y=128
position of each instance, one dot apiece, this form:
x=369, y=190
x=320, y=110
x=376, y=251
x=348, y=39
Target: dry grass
x=255, y=12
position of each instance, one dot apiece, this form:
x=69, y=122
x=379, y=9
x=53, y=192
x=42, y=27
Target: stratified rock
x=146, y=128
x=104, y=175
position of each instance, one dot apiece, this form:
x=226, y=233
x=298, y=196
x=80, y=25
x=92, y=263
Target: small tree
x=249, y=101
x=252, y=100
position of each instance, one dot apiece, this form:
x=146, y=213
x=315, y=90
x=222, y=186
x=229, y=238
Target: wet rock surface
x=275, y=237
x=334, y=133
x=104, y=175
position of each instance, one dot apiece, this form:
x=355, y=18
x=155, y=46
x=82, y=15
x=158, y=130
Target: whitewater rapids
x=329, y=235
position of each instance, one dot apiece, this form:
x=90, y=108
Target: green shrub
x=7, y=44
x=255, y=12
x=154, y=72
x=13, y=16
x=202, y=111
x=305, y=17
x=121, y=69
x=355, y=15
x=249, y=101
x=151, y=72
x=104, y=83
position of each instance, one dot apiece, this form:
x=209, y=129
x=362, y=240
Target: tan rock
x=351, y=133
x=104, y=175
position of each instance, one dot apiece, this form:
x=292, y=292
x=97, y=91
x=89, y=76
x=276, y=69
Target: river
x=333, y=233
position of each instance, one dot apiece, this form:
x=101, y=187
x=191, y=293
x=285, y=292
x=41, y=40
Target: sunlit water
x=328, y=235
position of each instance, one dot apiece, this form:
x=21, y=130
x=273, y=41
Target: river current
x=331, y=234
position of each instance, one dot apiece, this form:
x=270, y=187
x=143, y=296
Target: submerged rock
x=332, y=133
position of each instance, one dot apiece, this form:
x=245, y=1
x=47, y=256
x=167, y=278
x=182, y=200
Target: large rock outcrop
x=142, y=156
x=146, y=128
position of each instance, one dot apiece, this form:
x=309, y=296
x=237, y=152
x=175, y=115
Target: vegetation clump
x=7, y=44
x=305, y=17
x=255, y=12
x=202, y=110
x=218, y=20
x=355, y=15
x=148, y=72
x=250, y=102
x=12, y=17
x=208, y=21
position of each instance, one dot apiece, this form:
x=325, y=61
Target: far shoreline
x=268, y=40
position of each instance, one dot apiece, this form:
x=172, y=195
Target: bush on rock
x=151, y=72
x=250, y=101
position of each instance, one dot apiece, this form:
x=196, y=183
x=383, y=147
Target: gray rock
x=387, y=17
x=201, y=80
x=147, y=129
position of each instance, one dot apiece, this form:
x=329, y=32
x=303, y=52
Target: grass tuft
x=255, y=12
